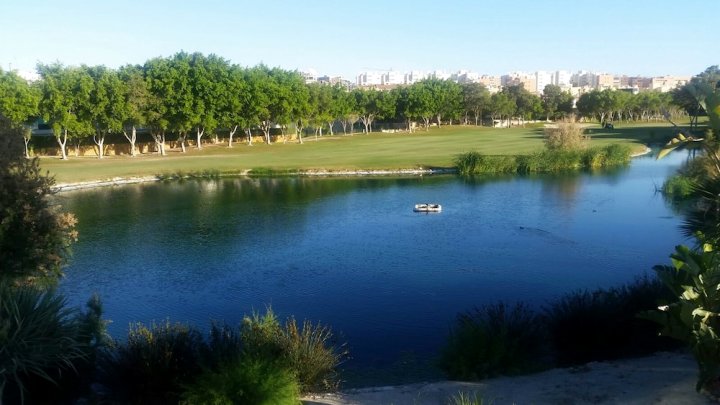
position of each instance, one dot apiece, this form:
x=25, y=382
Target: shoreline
x=662, y=378
x=119, y=181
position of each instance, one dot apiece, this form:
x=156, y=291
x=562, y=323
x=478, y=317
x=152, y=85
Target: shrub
x=694, y=317
x=467, y=163
x=565, y=135
x=308, y=351
x=246, y=381
x=603, y=324
x=35, y=237
x=492, y=340
x=47, y=350
x=153, y=364
x=678, y=187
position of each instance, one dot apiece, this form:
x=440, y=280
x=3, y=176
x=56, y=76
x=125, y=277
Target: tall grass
x=547, y=161
x=244, y=381
x=154, y=364
x=493, y=340
x=308, y=350
x=47, y=349
x=603, y=324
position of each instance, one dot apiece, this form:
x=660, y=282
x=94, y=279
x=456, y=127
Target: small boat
x=427, y=208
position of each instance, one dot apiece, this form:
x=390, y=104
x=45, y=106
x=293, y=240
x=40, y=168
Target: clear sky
x=634, y=37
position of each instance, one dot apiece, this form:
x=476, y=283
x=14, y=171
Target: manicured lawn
x=435, y=148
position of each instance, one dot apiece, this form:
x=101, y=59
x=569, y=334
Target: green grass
x=435, y=148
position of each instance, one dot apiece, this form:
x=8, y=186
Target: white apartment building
x=542, y=79
x=370, y=78
x=440, y=75
x=667, y=83
x=562, y=78
x=414, y=76
x=393, y=77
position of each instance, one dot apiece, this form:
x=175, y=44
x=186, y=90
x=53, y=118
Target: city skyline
x=641, y=38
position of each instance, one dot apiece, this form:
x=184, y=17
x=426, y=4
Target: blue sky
x=345, y=37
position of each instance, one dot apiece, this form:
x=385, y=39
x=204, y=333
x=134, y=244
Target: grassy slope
x=376, y=151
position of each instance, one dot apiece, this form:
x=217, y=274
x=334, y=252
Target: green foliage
x=598, y=325
x=35, y=236
x=548, y=161
x=47, y=350
x=245, y=381
x=678, y=187
x=153, y=364
x=492, y=340
x=308, y=350
x=694, y=318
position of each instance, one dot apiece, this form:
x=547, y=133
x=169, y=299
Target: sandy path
x=665, y=378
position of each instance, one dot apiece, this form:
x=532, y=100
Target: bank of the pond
x=664, y=378
x=118, y=181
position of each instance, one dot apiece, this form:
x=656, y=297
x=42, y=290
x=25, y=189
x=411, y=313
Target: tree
x=421, y=103
x=501, y=105
x=18, y=104
x=136, y=99
x=65, y=102
x=35, y=236
x=366, y=101
x=233, y=111
x=106, y=104
x=346, y=109
x=556, y=103
x=476, y=98
x=159, y=81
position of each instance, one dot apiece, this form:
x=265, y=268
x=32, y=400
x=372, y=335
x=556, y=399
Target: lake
x=351, y=253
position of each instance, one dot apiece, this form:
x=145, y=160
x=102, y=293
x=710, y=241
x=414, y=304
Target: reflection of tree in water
x=563, y=188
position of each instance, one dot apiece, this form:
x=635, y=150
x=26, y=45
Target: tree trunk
x=199, y=134
x=62, y=141
x=181, y=138
x=344, y=126
x=265, y=126
x=27, y=153
x=232, y=132
x=438, y=118
x=330, y=128
x=159, y=142
x=77, y=147
x=99, y=140
x=248, y=131
x=132, y=138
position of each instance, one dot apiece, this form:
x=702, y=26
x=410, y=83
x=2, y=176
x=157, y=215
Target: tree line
x=194, y=95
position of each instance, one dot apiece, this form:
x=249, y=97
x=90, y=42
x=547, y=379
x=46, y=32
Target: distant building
x=542, y=79
x=667, y=83
x=604, y=81
x=562, y=78
x=392, y=78
x=369, y=78
x=413, y=76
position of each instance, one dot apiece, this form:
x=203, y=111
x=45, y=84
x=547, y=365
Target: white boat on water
x=427, y=208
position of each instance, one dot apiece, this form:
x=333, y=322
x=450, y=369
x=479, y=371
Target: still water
x=350, y=253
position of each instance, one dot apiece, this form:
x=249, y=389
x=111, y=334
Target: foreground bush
x=245, y=381
x=694, y=318
x=492, y=340
x=154, y=364
x=597, y=325
x=47, y=349
x=308, y=350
